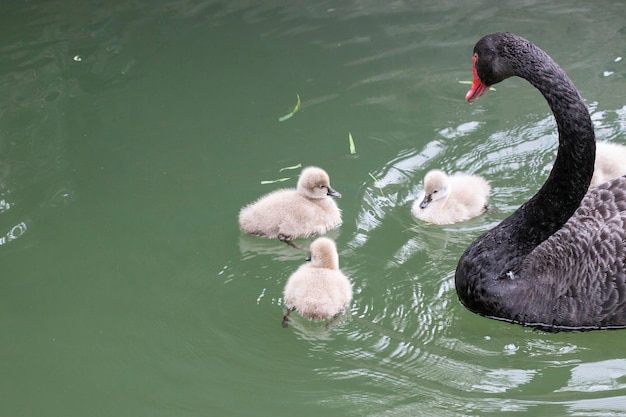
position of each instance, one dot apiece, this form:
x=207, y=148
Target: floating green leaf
x=352, y=147
x=291, y=167
x=274, y=181
x=376, y=180
x=290, y=115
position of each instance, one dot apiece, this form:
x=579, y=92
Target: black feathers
x=558, y=262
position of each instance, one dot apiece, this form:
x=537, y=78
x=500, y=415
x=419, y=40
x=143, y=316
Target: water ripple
x=403, y=318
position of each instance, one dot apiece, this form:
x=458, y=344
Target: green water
x=131, y=133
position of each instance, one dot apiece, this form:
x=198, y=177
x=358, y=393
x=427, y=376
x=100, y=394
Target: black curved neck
x=491, y=278
x=570, y=177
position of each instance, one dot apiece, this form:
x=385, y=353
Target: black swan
x=558, y=262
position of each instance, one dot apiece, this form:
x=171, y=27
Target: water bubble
x=510, y=348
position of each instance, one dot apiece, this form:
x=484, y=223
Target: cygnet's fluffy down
x=610, y=163
x=318, y=289
x=451, y=199
x=305, y=211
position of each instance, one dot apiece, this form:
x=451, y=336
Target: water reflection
x=15, y=232
x=597, y=376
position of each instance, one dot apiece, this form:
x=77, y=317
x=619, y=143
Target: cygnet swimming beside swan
x=448, y=199
x=610, y=163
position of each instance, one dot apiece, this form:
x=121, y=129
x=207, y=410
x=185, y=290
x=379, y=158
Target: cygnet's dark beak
x=427, y=199
x=308, y=258
x=333, y=193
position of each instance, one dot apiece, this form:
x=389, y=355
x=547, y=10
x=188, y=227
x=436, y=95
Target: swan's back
x=317, y=294
x=470, y=191
x=582, y=266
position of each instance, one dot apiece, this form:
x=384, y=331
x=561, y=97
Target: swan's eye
x=435, y=192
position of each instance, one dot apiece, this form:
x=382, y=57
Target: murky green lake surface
x=131, y=133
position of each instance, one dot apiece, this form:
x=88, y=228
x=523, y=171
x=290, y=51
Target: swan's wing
x=583, y=264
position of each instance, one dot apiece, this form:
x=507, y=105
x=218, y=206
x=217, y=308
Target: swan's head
x=436, y=187
x=496, y=57
x=315, y=183
x=324, y=253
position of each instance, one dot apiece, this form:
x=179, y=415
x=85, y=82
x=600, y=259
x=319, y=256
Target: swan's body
x=558, y=262
x=318, y=289
x=448, y=199
x=610, y=163
x=305, y=211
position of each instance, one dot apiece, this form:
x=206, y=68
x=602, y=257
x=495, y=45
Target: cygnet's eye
x=435, y=191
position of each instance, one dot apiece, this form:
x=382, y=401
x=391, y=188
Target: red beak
x=478, y=88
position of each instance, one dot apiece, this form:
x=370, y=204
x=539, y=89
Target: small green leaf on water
x=291, y=167
x=352, y=147
x=273, y=181
x=376, y=180
x=290, y=115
